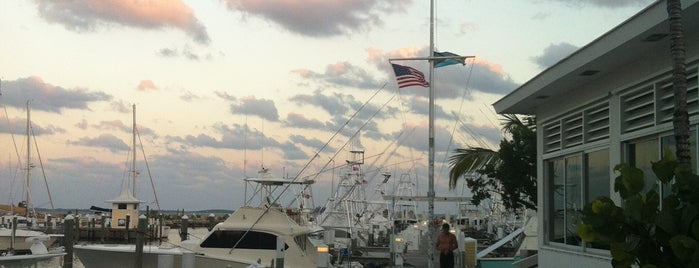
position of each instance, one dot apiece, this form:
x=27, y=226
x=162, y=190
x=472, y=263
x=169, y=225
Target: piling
x=140, y=233
x=183, y=228
x=128, y=222
x=160, y=228
x=49, y=224
x=13, y=234
x=68, y=242
x=188, y=259
x=323, y=258
x=103, y=229
x=279, y=261
x=211, y=221
x=166, y=261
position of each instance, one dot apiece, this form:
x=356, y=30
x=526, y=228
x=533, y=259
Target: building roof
x=645, y=34
x=125, y=197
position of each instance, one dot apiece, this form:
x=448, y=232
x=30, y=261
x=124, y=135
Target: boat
x=39, y=253
x=15, y=227
x=11, y=242
x=252, y=235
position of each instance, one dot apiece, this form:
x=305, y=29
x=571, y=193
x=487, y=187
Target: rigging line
x=307, y=186
x=461, y=105
x=341, y=128
x=14, y=143
x=479, y=140
x=43, y=172
x=145, y=160
x=307, y=165
x=395, y=141
x=353, y=135
x=488, y=117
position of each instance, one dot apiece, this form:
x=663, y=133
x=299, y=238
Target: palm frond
x=467, y=161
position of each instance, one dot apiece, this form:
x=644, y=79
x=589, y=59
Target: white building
x=610, y=102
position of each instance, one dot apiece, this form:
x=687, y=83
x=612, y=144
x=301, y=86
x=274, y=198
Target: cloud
x=293, y=152
x=321, y=18
x=606, y=3
x=124, y=128
x=333, y=104
x=120, y=106
x=225, y=96
x=488, y=77
x=252, y=106
x=300, y=121
x=315, y=144
x=417, y=138
x=190, y=97
x=145, y=85
x=342, y=74
x=468, y=27
x=89, y=15
x=18, y=126
x=236, y=137
x=107, y=141
x=47, y=97
x=168, y=52
x=554, y=53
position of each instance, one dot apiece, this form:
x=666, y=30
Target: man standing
x=446, y=244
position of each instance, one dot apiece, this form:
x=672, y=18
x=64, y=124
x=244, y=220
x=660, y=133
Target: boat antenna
x=29, y=166
x=133, y=163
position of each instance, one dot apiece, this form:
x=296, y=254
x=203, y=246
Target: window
x=573, y=181
x=641, y=153
x=251, y=240
x=121, y=206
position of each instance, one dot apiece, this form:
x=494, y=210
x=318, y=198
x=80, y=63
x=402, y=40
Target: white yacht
x=251, y=235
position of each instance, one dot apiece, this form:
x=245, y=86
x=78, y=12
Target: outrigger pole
x=430, y=172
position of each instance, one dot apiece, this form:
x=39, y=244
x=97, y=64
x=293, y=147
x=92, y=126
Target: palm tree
x=680, y=120
x=511, y=171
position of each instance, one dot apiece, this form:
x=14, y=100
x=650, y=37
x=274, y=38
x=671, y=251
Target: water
x=173, y=239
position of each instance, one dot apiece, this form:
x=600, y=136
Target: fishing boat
x=252, y=235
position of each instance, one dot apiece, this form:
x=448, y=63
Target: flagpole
x=430, y=171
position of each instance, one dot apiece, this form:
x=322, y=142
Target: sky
x=225, y=87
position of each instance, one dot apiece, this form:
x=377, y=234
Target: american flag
x=408, y=76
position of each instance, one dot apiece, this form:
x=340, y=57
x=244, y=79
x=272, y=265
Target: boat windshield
x=251, y=240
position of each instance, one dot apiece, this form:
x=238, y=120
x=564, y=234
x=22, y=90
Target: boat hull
x=21, y=237
x=117, y=256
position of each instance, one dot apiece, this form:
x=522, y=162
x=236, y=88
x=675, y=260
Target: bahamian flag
x=446, y=62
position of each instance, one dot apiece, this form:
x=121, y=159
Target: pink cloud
x=146, y=85
x=152, y=14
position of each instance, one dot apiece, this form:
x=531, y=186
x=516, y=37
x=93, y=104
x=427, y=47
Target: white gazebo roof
x=125, y=197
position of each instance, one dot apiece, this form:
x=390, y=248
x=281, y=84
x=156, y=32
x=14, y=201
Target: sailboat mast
x=430, y=171
x=29, y=152
x=133, y=158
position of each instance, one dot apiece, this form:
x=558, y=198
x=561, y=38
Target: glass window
x=251, y=240
x=573, y=183
x=556, y=195
x=597, y=180
x=573, y=197
x=641, y=154
x=597, y=175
